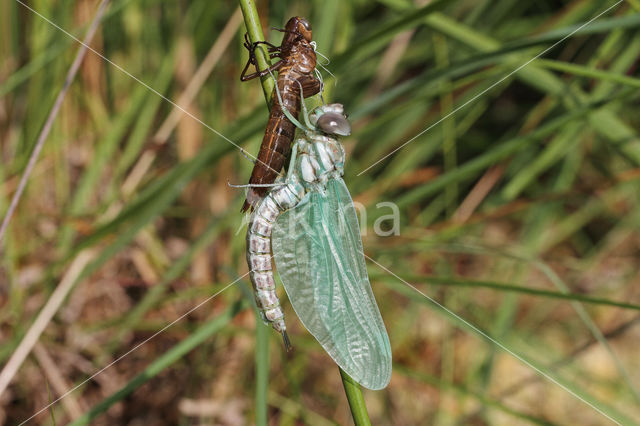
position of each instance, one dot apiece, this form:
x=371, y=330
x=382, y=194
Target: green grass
x=519, y=212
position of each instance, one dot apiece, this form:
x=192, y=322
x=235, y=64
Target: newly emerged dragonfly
x=310, y=222
x=296, y=67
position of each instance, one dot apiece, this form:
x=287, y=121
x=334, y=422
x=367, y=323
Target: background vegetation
x=520, y=212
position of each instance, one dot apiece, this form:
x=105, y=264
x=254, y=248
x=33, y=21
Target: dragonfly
x=296, y=66
x=308, y=224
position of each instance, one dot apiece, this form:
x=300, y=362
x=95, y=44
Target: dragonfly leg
x=262, y=73
x=247, y=43
x=292, y=162
x=285, y=110
x=251, y=60
x=251, y=46
x=244, y=154
x=305, y=113
x=271, y=49
x=274, y=52
x=256, y=185
x=284, y=30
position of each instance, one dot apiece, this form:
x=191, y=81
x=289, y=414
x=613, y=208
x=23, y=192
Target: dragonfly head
x=330, y=119
x=298, y=25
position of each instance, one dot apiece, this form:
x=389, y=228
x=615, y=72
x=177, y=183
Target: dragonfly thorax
x=320, y=157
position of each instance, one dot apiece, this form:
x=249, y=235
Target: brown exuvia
x=295, y=69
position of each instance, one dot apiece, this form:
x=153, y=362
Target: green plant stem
x=254, y=29
x=263, y=333
x=356, y=400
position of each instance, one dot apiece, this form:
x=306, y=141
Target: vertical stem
x=449, y=151
x=356, y=400
x=262, y=371
x=254, y=29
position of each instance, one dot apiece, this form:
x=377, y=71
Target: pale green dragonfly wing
x=319, y=256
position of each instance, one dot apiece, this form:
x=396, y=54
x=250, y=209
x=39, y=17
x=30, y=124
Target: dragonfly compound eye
x=334, y=124
x=304, y=28
x=305, y=24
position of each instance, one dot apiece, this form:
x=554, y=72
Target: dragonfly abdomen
x=259, y=253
